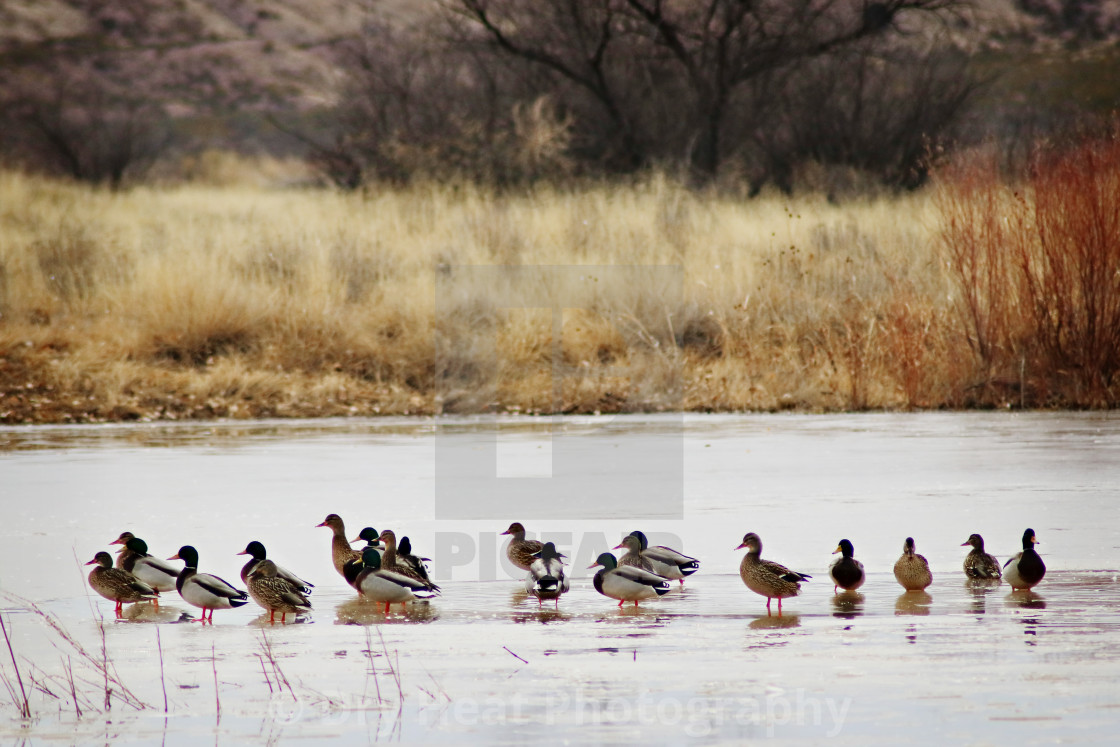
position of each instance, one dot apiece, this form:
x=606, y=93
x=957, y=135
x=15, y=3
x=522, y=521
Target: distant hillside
x=191, y=52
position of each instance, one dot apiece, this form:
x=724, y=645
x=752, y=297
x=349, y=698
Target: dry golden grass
x=240, y=301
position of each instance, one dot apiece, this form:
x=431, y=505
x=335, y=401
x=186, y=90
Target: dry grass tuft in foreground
x=191, y=302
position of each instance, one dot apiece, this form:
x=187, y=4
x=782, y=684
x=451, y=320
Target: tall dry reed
x=239, y=301
x=1037, y=266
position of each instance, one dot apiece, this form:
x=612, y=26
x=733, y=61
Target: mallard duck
x=521, y=552
x=765, y=577
x=911, y=569
x=341, y=552
x=385, y=585
x=274, y=592
x=633, y=556
x=667, y=562
x=204, y=590
x=155, y=572
x=390, y=561
x=626, y=583
x=404, y=555
x=1026, y=569
x=117, y=585
x=122, y=541
x=846, y=572
x=979, y=564
x=258, y=554
x=546, y=579
x=370, y=536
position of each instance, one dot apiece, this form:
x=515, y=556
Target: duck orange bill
x=837, y=549
x=594, y=565
x=741, y=546
x=619, y=546
x=321, y=524
x=92, y=562
x=966, y=543
x=243, y=552
x=175, y=557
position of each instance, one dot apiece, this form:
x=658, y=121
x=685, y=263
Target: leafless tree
x=700, y=55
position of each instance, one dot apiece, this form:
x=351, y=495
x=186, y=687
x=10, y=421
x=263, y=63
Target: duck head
x=846, y=548
x=641, y=538
x=631, y=543
x=371, y=558
x=606, y=560
x=125, y=537
x=256, y=549
x=752, y=542
x=516, y=530
x=368, y=534
x=188, y=555
x=103, y=559
x=137, y=545
x=975, y=540
x=1029, y=540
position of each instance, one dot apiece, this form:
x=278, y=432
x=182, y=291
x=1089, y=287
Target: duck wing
x=639, y=576
x=297, y=583
x=779, y=570
x=217, y=586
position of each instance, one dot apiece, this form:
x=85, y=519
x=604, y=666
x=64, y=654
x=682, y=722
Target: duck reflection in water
x=913, y=603
x=542, y=615
x=361, y=611
x=775, y=623
x=147, y=613
x=847, y=604
x=979, y=589
x=1025, y=599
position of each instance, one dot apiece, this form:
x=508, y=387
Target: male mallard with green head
x=546, y=579
x=1026, y=569
x=846, y=572
x=625, y=582
x=204, y=590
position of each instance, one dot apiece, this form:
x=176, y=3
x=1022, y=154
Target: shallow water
x=974, y=664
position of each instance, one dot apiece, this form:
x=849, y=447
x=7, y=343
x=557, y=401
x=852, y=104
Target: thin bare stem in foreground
x=514, y=655
x=24, y=704
x=162, y=680
x=393, y=670
x=107, y=678
x=217, y=693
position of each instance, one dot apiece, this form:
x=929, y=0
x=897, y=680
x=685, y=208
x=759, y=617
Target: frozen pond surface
x=976, y=665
